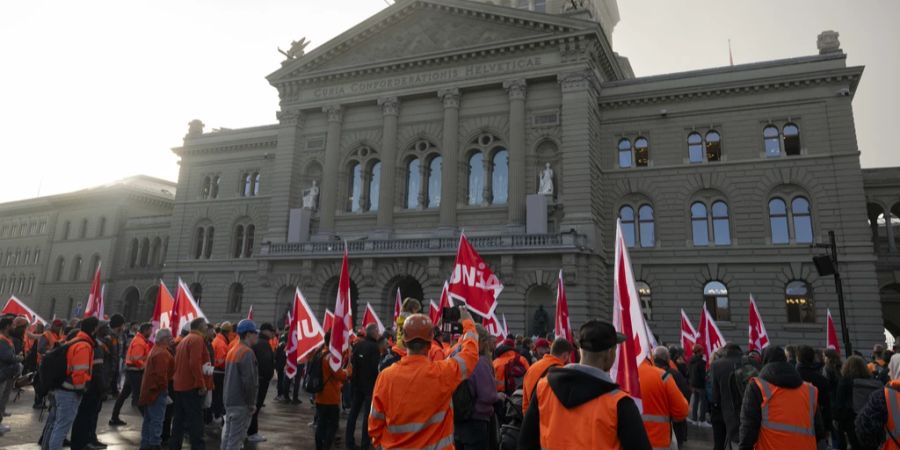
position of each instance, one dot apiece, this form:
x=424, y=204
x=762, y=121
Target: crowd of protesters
x=420, y=386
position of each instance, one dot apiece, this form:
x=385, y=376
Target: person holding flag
x=580, y=406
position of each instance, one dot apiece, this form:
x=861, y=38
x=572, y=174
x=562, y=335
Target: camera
x=450, y=320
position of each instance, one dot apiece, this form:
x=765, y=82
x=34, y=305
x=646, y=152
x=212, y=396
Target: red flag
x=831, y=339
x=688, y=334
x=434, y=312
x=709, y=335
x=304, y=334
x=94, y=305
x=162, y=312
x=628, y=320
x=398, y=304
x=343, y=322
x=562, y=327
x=473, y=282
x=328, y=321
x=370, y=317
x=19, y=308
x=250, y=313
x=184, y=309
x=505, y=328
x=493, y=327
x=759, y=339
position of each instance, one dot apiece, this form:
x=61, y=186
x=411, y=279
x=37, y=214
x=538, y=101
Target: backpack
x=388, y=360
x=862, y=390
x=510, y=431
x=52, y=371
x=514, y=375
x=313, y=381
x=737, y=383
x=463, y=402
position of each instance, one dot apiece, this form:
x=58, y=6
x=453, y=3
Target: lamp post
x=828, y=265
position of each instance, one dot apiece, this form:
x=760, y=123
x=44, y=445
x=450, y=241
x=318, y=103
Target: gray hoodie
x=241, y=377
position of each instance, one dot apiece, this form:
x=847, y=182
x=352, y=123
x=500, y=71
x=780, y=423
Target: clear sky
x=96, y=90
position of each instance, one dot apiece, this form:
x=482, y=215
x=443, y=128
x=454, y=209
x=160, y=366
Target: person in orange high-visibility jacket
x=558, y=356
x=878, y=422
x=579, y=406
x=503, y=359
x=79, y=360
x=135, y=359
x=406, y=415
x=780, y=410
x=663, y=401
x=436, y=352
x=221, y=344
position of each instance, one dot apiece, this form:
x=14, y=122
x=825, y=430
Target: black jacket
x=724, y=408
x=871, y=422
x=813, y=374
x=574, y=388
x=697, y=372
x=280, y=356
x=780, y=374
x=265, y=359
x=365, y=359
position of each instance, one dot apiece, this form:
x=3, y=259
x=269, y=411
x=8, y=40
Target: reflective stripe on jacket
x=79, y=359
x=406, y=415
x=787, y=417
x=663, y=402
x=138, y=350
x=593, y=424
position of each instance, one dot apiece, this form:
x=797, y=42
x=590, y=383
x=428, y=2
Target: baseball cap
x=597, y=336
x=541, y=343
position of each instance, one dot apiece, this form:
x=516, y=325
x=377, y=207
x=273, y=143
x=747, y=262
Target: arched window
x=60, y=266
x=778, y=221
x=210, y=231
x=641, y=152
x=791, y=136
x=84, y=226
x=699, y=224
x=500, y=178
x=101, y=227
x=646, y=299
x=76, y=268
x=434, y=182
x=248, y=243
x=238, y=241
x=30, y=289
x=802, y=218
x=246, y=184
x=647, y=228
x=799, y=304
x=374, y=186
x=235, y=297
x=625, y=155
x=196, y=291
x=355, y=190
x=27, y=258
x=205, y=188
x=198, y=244
x=37, y=256
x=255, y=184
x=626, y=215
x=66, y=228
x=715, y=296
x=155, y=250
x=720, y=222
x=695, y=147
x=476, y=178
x=145, y=252
x=214, y=187
x=772, y=141
x=95, y=262
x=413, y=183
x=204, y=241
x=713, y=146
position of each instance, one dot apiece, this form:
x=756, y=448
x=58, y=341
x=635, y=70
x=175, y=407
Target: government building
x=517, y=123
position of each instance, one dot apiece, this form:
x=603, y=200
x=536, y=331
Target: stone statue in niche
x=540, y=322
x=311, y=197
x=546, y=181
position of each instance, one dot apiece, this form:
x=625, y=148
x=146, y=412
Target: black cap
x=597, y=336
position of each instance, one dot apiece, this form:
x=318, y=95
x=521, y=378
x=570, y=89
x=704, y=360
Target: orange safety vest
x=137, y=353
x=79, y=361
x=892, y=399
x=535, y=373
x=788, y=417
x=663, y=402
x=500, y=367
x=220, y=350
x=590, y=425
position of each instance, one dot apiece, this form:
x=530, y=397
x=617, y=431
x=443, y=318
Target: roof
x=151, y=188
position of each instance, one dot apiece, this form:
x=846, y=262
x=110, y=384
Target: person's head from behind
x=485, y=341
x=806, y=355
x=732, y=351
x=541, y=348
x=248, y=332
x=661, y=357
x=790, y=353
x=57, y=326
x=5, y=325
x=145, y=329
x=774, y=354
x=418, y=331
x=855, y=367
x=598, y=341
x=562, y=349
x=267, y=331
x=163, y=336
x=372, y=331
x=116, y=323
x=697, y=350
x=832, y=358
x=199, y=325
x=89, y=325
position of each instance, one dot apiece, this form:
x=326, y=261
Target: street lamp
x=827, y=264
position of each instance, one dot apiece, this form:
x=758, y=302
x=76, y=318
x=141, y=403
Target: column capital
x=450, y=97
x=335, y=112
x=515, y=88
x=577, y=81
x=390, y=106
x=290, y=117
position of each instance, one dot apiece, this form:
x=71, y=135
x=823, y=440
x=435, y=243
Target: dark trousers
x=326, y=425
x=471, y=435
x=84, y=429
x=260, y=399
x=282, y=381
x=296, y=386
x=360, y=403
x=188, y=413
x=218, y=406
x=719, y=434
x=132, y=388
x=167, y=422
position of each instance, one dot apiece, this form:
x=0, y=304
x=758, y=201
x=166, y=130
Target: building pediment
x=421, y=28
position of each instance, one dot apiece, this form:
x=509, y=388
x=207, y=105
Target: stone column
x=284, y=188
x=889, y=228
x=517, y=151
x=450, y=153
x=329, y=197
x=576, y=190
x=390, y=107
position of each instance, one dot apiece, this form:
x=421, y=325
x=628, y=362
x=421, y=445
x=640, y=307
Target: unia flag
x=162, y=312
x=370, y=317
x=328, y=320
x=709, y=335
x=184, y=309
x=434, y=313
x=94, y=306
x=494, y=328
x=562, y=327
x=473, y=282
x=19, y=308
x=304, y=334
x=688, y=334
x=343, y=321
x=759, y=339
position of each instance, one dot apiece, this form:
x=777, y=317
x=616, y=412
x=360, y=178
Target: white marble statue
x=311, y=197
x=546, y=185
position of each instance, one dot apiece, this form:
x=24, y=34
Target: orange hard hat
x=418, y=326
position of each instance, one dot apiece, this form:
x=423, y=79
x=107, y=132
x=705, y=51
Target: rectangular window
x=803, y=229
x=721, y=232
x=701, y=233
x=647, y=234
x=695, y=153
x=779, y=230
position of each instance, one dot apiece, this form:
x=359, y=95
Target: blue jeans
x=154, y=413
x=60, y=419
